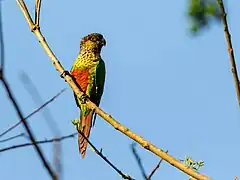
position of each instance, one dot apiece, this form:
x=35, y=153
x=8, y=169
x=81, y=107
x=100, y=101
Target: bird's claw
x=83, y=98
x=64, y=73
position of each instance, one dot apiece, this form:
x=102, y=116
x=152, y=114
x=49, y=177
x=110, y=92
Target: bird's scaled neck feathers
x=90, y=52
x=87, y=59
x=90, y=47
x=89, y=55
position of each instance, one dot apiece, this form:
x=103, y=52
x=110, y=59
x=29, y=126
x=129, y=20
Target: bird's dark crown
x=94, y=37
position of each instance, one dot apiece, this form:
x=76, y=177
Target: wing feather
x=99, y=83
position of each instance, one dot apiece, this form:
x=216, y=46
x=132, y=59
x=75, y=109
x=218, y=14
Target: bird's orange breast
x=82, y=78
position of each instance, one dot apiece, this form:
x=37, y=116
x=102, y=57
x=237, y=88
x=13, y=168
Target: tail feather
x=86, y=124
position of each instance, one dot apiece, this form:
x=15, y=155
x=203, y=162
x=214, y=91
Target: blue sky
x=172, y=89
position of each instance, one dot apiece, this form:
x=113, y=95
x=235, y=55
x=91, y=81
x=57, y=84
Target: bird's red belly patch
x=82, y=78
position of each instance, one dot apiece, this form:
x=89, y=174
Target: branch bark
x=67, y=77
x=230, y=49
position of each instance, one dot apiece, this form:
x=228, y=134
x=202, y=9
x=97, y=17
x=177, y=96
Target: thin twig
x=38, y=142
x=124, y=176
x=139, y=161
x=37, y=12
x=25, y=123
x=52, y=125
x=155, y=169
x=1, y=41
x=67, y=77
x=13, y=137
x=24, y=9
x=230, y=49
x=36, y=97
x=32, y=113
x=27, y=128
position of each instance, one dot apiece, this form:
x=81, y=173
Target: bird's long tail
x=86, y=124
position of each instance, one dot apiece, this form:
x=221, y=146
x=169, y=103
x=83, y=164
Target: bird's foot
x=77, y=124
x=83, y=98
x=64, y=73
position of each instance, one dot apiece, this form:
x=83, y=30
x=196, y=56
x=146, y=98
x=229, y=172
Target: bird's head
x=93, y=42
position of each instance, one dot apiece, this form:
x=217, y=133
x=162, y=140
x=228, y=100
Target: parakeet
x=88, y=71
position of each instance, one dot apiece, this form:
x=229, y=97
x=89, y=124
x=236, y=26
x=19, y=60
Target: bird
x=88, y=72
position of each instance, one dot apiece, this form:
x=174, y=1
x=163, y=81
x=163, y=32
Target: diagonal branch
x=13, y=137
x=52, y=125
x=230, y=49
x=139, y=161
x=27, y=128
x=155, y=169
x=37, y=142
x=141, y=165
x=32, y=113
x=24, y=9
x=25, y=124
x=1, y=42
x=37, y=12
x=67, y=77
x=124, y=176
x=36, y=97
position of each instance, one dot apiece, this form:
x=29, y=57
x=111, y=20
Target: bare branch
x=67, y=77
x=134, y=151
x=24, y=9
x=27, y=128
x=1, y=42
x=37, y=12
x=13, y=137
x=25, y=123
x=141, y=165
x=32, y=113
x=230, y=49
x=38, y=142
x=53, y=126
x=124, y=176
x=155, y=169
x=36, y=97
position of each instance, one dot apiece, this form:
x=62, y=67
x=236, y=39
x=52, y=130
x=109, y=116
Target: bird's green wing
x=99, y=83
x=100, y=80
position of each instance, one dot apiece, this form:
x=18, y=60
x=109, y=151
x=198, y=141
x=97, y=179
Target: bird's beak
x=103, y=42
